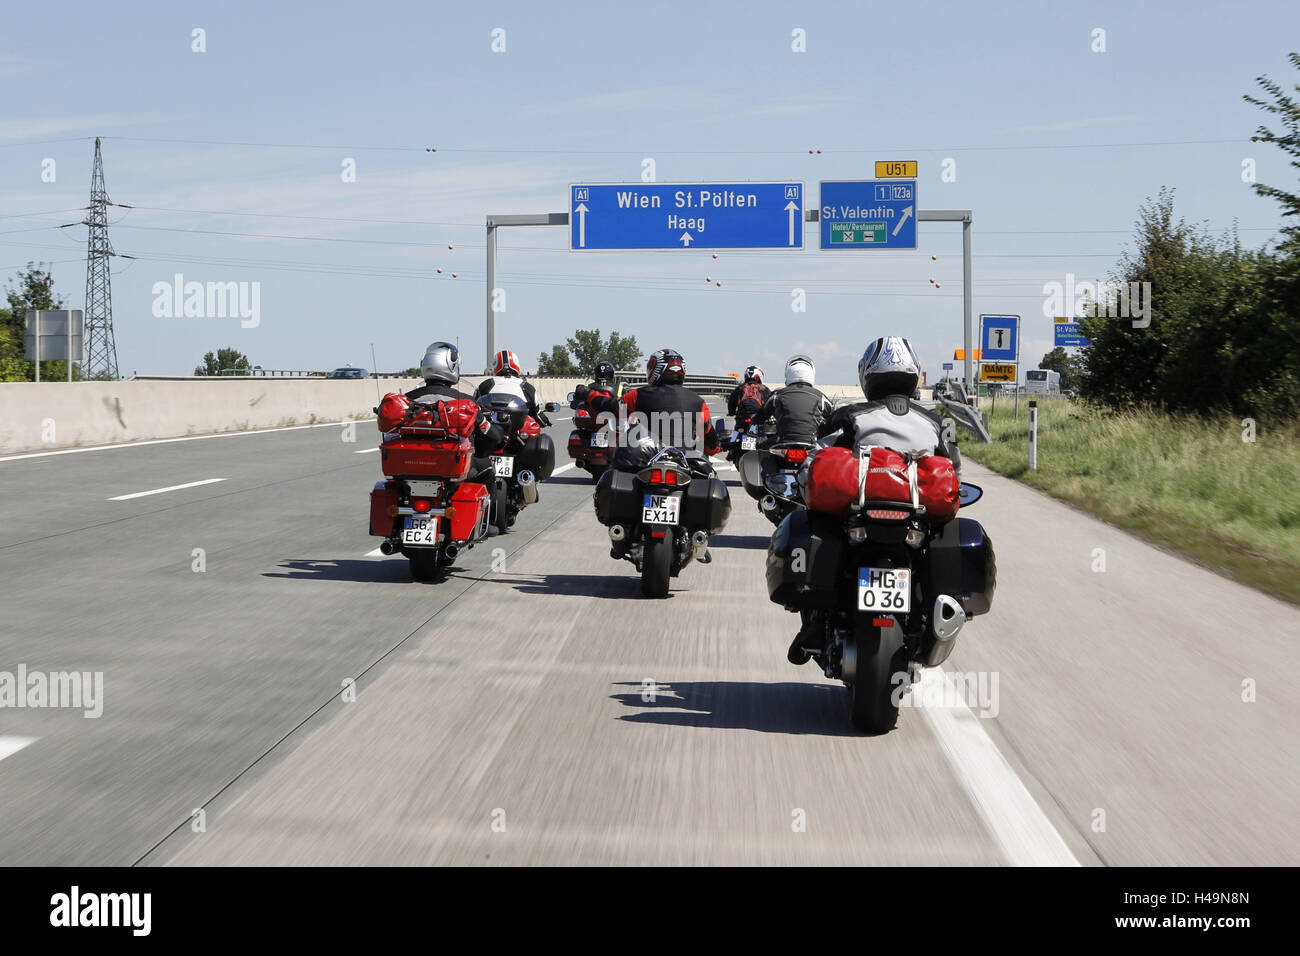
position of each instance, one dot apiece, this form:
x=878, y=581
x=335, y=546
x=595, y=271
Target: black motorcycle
x=525, y=458
x=882, y=592
x=660, y=516
x=771, y=477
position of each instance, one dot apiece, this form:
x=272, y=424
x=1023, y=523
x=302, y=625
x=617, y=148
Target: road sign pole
x=1033, y=436
x=966, y=296
x=491, y=294
x=38, y=345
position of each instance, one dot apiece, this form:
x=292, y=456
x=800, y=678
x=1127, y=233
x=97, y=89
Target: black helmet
x=604, y=371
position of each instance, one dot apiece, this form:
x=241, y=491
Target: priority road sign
x=868, y=214
x=1000, y=338
x=766, y=215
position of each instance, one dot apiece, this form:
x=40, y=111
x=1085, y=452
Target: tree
x=227, y=358
x=34, y=290
x=1058, y=360
x=557, y=363
x=1288, y=113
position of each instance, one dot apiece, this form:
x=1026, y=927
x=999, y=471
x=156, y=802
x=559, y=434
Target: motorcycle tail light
x=653, y=476
x=796, y=455
x=882, y=622
x=670, y=477
x=887, y=514
x=422, y=505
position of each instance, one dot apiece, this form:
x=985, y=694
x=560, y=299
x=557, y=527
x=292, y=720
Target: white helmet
x=441, y=363
x=888, y=367
x=800, y=368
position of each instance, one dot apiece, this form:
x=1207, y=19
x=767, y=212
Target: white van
x=1042, y=381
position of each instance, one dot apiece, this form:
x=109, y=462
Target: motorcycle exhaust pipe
x=946, y=623
x=451, y=551
x=617, y=533
x=387, y=547
x=528, y=485
x=767, y=503
x=700, y=546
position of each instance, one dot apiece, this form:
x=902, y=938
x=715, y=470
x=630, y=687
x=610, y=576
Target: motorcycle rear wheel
x=500, y=506
x=596, y=472
x=424, y=565
x=656, y=567
x=880, y=656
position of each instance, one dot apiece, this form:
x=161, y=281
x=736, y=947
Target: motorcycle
x=591, y=443
x=427, y=509
x=884, y=582
x=525, y=458
x=771, y=477
x=660, y=517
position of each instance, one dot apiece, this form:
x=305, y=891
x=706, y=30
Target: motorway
x=501, y=716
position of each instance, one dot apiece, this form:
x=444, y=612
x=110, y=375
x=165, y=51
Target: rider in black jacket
x=799, y=409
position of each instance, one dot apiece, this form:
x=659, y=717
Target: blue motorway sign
x=1000, y=338
x=869, y=214
x=1067, y=334
x=686, y=216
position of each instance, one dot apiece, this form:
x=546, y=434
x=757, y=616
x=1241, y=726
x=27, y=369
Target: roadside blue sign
x=1067, y=334
x=1000, y=338
x=947, y=366
x=686, y=216
x=868, y=214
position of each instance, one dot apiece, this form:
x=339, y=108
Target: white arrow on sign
x=686, y=239
x=907, y=213
x=582, y=224
x=792, y=209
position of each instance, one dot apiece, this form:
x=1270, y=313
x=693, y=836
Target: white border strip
x=167, y=441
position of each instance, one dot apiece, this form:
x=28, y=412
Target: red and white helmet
x=754, y=374
x=506, y=363
x=665, y=367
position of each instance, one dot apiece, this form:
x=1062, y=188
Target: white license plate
x=748, y=443
x=421, y=531
x=661, y=509
x=503, y=466
x=885, y=589
x=600, y=439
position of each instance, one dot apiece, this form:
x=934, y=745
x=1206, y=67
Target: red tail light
x=796, y=455
x=881, y=622
x=421, y=505
x=670, y=477
x=886, y=514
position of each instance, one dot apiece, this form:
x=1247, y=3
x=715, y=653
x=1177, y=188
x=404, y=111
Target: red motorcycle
x=591, y=443
x=427, y=509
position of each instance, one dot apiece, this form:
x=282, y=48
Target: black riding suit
x=669, y=414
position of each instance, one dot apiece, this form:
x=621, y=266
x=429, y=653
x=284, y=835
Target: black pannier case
x=960, y=562
x=538, y=456
x=706, y=505
x=616, y=499
x=804, y=561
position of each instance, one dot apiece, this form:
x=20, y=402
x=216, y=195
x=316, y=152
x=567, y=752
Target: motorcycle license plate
x=748, y=443
x=885, y=589
x=599, y=440
x=503, y=466
x=661, y=509
x=421, y=531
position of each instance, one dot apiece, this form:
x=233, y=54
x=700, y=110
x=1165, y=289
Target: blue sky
x=585, y=93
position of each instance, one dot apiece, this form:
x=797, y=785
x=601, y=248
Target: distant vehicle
x=1042, y=381
x=348, y=371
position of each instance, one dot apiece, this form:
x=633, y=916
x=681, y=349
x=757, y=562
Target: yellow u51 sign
x=894, y=169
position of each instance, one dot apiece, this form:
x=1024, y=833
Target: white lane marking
x=11, y=745
x=1017, y=822
x=168, y=441
x=374, y=554
x=563, y=468
x=366, y=450
x=722, y=465
x=159, y=491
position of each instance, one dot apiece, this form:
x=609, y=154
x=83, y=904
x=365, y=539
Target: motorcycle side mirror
x=570, y=398
x=970, y=494
x=552, y=406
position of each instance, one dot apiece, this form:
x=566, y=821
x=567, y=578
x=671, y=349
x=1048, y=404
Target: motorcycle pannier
x=470, y=502
x=804, y=561
x=616, y=499
x=960, y=562
x=707, y=504
x=538, y=456
x=382, y=496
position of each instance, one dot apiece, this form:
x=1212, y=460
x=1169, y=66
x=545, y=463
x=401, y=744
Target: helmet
x=441, y=363
x=888, y=367
x=800, y=368
x=604, y=371
x=665, y=367
x=506, y=363
x=754, y=374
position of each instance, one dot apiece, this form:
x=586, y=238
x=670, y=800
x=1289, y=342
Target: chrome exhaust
x=617, y=533
x=387, y=547
x=767, y=503
x=528, y=485
x=946, y=623
x=451, y=551
x=700, y=547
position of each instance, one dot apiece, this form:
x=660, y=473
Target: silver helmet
x=800, y=368
x=888, y=367
x=441, y=363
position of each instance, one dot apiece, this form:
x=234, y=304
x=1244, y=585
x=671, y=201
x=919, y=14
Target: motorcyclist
x=506, y=377
x=749, y=396
x=888, y=372
x=604, y=382
x=440, y=369
x=799, y=409
x=673, y=414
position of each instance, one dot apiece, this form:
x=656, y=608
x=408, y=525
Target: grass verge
x=1194, y=486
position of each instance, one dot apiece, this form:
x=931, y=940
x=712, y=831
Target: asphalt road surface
x=533, y=708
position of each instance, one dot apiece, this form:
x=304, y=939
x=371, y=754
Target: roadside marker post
x=1033, y=436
